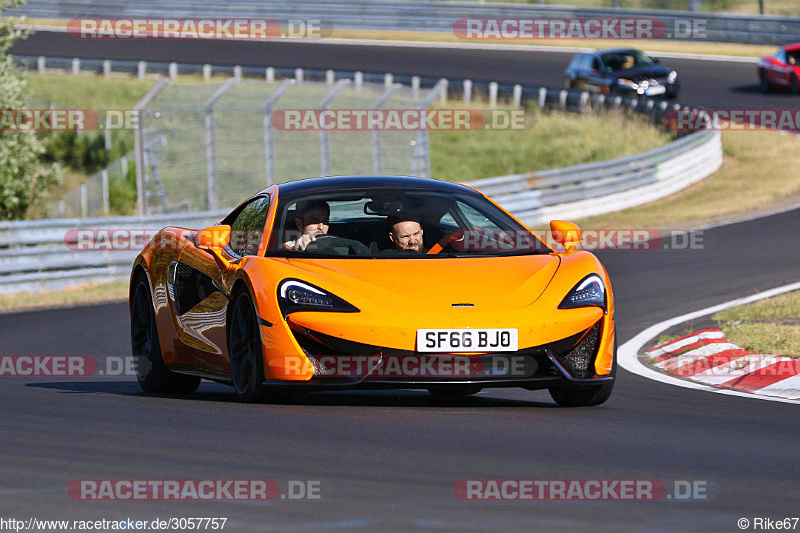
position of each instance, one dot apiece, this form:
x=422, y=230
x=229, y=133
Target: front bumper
x=340, y=364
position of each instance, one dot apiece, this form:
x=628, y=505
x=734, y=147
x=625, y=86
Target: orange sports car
x=372, y=282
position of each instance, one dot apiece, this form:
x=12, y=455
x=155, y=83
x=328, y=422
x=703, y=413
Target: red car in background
x=781, y=70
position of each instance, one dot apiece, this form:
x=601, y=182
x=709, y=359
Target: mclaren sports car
x=373, y=282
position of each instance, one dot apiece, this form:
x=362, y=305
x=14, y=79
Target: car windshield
x=626, y=59
x=397, y=223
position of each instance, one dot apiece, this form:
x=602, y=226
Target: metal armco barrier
x=597, y=188
x=418, y=15
x=42, y=255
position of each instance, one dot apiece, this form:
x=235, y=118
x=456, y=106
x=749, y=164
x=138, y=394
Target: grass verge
x=75, y=296
x=758, y=174
x=771, y=326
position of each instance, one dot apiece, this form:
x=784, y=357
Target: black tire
x=244, y=349
x=795, y=86
x=454, y=390
x=586, y=396
x=151, y=372
x=764, y=82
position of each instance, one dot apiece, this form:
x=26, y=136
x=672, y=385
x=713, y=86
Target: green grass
x=758, y=173
x=770, y=326
x=89, y=91
x=74, y=296
x=556, y=140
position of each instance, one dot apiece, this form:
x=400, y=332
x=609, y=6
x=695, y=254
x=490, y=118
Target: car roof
x=792, y=47
x=338, y=183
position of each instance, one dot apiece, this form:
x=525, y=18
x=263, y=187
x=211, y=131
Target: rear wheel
x=586, y=396
x=151, y=372
x=244, y=347
x=454, y=390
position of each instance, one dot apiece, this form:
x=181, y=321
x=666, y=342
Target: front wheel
x=763, y=82
x=244, y=348
x=151, y=372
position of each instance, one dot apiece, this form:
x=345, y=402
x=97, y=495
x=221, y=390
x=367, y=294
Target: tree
x=23, y=175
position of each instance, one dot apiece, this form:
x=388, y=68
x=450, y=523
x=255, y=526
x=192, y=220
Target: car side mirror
x=566, y=233
x=214, y=237
x=213, y=240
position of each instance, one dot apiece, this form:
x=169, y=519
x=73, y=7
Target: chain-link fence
x=210, y=145
x=105, y=193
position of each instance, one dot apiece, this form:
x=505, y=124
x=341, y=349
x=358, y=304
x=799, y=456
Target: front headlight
x=295, y=295
x=627, y=83
x=672, y=77
x=589, y=292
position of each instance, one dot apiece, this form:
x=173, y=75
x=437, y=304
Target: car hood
x=488, y=283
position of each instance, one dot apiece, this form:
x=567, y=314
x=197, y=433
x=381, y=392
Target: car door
x=196, y=285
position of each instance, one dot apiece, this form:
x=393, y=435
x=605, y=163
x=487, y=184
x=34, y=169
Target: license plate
x=467, y=340
x=658, y=89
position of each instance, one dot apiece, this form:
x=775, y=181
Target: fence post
x=467, y=92
x=76, y=66
x=84, y=201
x=443, y=94
x=41, y=62
x=269, y=152
x=141, y=69
x=212, y=194
x=388, y=80
x=377, y=156
x=493, y=94
x=139, y=144
x=206, y=72
x=517, y=96
x=324, y=135
x=270, y=74
x=237, y=72
x=106, y=68
x=298, y=76
x=107, y=133
x=358, y=80
x=106, y=201
x=123, y=161
x=415, y=88
x=173, y=70
x=330, y=77
x=542, y=97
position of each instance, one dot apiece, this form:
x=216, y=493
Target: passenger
x=313, y=219
x=405, y=232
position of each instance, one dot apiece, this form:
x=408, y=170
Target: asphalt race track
x=389, y=460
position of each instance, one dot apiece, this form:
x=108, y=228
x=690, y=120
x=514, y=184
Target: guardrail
x=47, y=255
x=420, y=15
x=593, y=189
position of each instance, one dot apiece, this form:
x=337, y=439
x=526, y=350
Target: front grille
x=579, y=360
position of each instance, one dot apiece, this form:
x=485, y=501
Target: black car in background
x=621, y=71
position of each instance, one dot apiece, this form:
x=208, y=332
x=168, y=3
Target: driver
x=405, y=232
x=313, y=219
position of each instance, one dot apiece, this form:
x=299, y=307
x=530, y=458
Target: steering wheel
x=329, y=242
